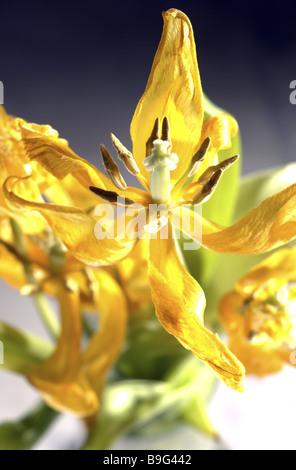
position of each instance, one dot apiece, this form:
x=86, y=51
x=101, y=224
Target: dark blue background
x=82, y=67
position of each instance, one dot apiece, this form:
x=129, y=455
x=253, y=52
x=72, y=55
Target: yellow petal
x=13, y=158
x=173, y=90
x=12, y=155
x=134, y=278
x=54, y=154
x=221, y=129
x=229, y=310
x=105, y=345
x=75, y=228
x=270, y=225
x=180, y=303
x=257, y=359
x=75, y=397
x=68, y=193
x=60, y=379
x=14, y=161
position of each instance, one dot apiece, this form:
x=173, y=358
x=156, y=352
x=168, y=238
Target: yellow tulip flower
x=173, y=100
x=71, y=380
x=260, y=316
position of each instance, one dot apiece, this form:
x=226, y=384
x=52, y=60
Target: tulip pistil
x=160, y=163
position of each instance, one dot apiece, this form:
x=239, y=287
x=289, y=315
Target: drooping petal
x=270, y=225
x=173, y=91
x=180, y=303
x=76, y=229
x=60, y=379
x=105, y=345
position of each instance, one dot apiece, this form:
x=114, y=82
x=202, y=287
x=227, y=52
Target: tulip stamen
x=111, y=196
x=198, y=157
x=154, y=136
x=208, y=188
x=166, y=134
x=112, y=169
x=125, y=156
x=211, y=170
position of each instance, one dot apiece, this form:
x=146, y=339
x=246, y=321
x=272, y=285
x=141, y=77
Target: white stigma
x=160, y=156
x=159, y=164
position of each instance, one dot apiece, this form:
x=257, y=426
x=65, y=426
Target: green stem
x=47, y=314
x=40, y=301
x=109, y=428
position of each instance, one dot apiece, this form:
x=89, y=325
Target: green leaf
x=196, y=414
x=21, y=348
x=202, y=380
x=219, y=208
x=149, y=407
x=24, y=434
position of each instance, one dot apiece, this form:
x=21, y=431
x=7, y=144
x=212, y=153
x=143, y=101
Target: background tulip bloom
x=260, y=316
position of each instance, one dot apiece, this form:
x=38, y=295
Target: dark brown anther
x=208, y=188
x=154, y=135
x=220, y=166
x=111, y=196
x=198, y=157
x=112, y=169
x=165, y=131
x=228, y=162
